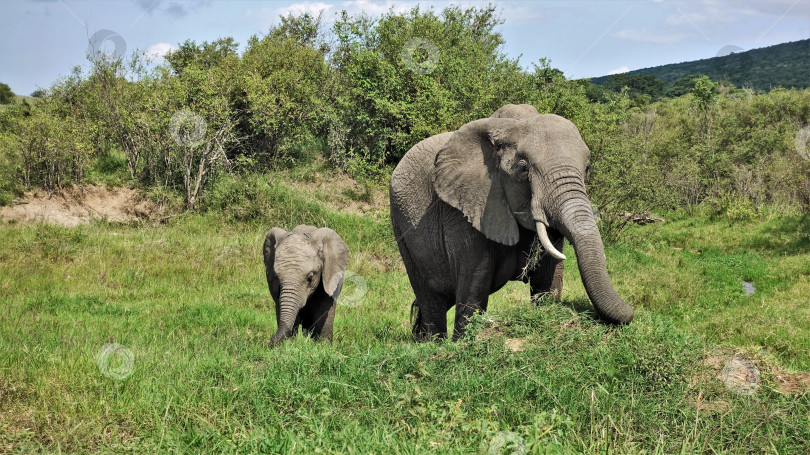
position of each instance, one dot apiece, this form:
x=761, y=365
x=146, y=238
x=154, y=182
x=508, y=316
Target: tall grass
x=189, y=301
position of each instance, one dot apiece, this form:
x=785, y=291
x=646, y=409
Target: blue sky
x=42, y=40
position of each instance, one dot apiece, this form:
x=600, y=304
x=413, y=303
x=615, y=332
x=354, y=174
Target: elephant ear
x=271, y=241
x=335, y=260
x=466, y=176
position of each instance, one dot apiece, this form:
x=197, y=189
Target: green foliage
x=637, y=85
x=6, y=95
x=48, y=143
x=377, y=88
x=704, y=148
x=705, y=92
x=286, y=85
x=598, y=94
x=386, y=106
x=205, y=55
x=740, y=211
x=782, y=65
x=683, y=85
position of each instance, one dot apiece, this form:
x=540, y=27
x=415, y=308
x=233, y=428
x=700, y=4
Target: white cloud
x=774, y=8
x=297, y=9
x=174, y=9
x=377, y=8
x=647, y=36
x=265, y=18
x=522, y=13
x=619, y=70
x=158, y=50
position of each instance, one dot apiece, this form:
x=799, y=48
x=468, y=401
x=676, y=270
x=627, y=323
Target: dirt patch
x=78, y=205
x=742, y=372
x=791, y=383
x=490, y=329
x=515, y=344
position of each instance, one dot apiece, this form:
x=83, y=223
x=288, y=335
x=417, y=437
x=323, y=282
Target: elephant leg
x=476, y=271
x=472, y=297
x=430, y=322
x=547, y=277
x=318, y=316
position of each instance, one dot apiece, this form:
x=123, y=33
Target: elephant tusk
x=546, y=242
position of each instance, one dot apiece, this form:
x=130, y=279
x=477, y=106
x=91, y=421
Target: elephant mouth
x=546, y=234
x=553, y=234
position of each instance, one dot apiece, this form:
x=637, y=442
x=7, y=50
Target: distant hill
x=783, y=65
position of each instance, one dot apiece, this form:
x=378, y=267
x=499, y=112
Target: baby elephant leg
x=318, y=317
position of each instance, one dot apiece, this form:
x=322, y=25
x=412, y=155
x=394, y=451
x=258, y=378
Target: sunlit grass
x=189, y=300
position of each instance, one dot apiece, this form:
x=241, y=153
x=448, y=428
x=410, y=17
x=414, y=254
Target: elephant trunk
x=568, y=209
x=290, y=301
x=578, y=225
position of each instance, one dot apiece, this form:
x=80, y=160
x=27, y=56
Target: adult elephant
x=467, y=205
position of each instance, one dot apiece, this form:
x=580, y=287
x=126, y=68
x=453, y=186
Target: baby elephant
x=305, y=269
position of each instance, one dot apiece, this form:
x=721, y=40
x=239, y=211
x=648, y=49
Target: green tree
x=205, y=55
x=6, y=95
x=388, y=104
x=683, y=85
x=637, y=85
x=705, y=92
x=287, y=87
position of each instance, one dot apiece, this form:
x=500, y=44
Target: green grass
x=189, y=300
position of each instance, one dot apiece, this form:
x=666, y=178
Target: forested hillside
x=784, y=65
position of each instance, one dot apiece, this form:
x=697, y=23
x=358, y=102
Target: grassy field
x=186, y=306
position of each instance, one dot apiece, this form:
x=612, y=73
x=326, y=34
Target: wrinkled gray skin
x=305, y=270
x=467, y=205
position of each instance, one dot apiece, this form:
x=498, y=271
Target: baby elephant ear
x=335, y=260
x=269, y=249
x=466, y=177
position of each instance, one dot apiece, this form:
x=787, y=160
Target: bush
x=386, y=105
x=380, y=87
x=6, y=95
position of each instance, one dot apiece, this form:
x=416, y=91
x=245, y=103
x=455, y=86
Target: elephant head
x=521, y=168
x=304, y=267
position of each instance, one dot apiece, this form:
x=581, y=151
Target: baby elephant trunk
x=291, y=301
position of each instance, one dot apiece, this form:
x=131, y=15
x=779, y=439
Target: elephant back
x=411, y=190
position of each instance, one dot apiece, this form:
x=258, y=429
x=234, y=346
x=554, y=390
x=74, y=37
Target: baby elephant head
x=305, y=269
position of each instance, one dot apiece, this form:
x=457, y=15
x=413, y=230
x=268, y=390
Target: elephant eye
x=522, y=169
x=310, y=277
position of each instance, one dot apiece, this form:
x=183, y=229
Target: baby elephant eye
x=310, y=277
